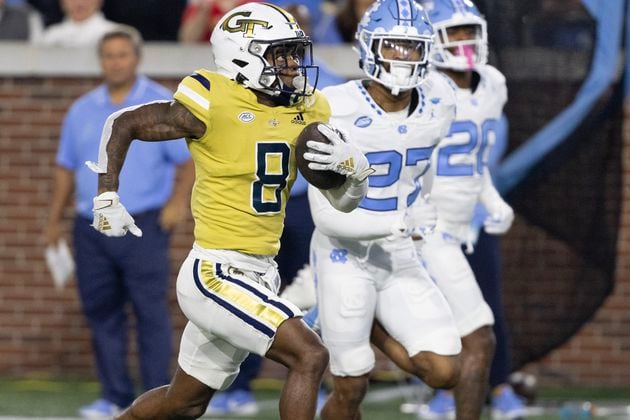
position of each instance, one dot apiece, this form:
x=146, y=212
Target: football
x=324, y=180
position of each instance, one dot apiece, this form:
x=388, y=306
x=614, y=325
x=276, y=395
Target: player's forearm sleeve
x=357, y=225
x=348, y=196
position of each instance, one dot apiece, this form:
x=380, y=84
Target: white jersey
x=399, y=149
x=460, y=161
x=382, y=275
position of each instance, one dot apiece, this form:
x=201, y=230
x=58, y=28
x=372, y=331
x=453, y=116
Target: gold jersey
x=245, y=162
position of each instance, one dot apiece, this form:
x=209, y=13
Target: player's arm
x=357, y=225
x=346, y=197
x=155, y=121
x=364, y=226
x=500, y=214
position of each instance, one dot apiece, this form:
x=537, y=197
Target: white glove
x=419, y=219
x=338, y=156
x=499, y=219
x=111, y=218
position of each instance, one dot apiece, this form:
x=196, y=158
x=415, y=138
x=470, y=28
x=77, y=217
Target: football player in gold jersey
x=241, y=125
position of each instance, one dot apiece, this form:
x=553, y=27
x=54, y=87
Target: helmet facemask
x=286, y=58
x=398, y=62
x=461, y=54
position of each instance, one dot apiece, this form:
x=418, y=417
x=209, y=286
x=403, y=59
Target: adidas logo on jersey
x=298, y=119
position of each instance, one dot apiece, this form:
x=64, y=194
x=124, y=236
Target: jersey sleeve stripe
x=201, y=79
x=193, y=96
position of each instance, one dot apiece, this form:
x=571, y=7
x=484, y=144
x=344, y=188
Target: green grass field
x=61, y=399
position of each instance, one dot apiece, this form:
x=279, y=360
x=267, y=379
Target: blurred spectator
x=49, y=9
x=157, y=20
x=200, y=17
x=19, y=22
x=115, y=272
x=83, y=25
x=303, y=15
x=314, y=10
x=340, y=27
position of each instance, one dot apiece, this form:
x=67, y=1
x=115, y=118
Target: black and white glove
x=111, y=218
x=338, y=156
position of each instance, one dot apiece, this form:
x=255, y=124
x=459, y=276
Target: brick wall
x=42, y=329
x=600, y=352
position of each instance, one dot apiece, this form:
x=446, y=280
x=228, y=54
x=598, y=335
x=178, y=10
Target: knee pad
x=350, y=359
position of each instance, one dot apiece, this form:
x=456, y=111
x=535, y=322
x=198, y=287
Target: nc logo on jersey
x=435, y=101
x=247, y=26
x=402, y=129
x=246, y=117
x=363, y=121
x=339, y=255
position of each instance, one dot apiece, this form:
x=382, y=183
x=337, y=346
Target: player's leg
x=449, y=268
x=185, y=398
x=413, y=311
x=146, y=272
x=486, y=264
x=301, y=351
x=346, y=301
x=238, y=399
x=391, y=348
x=477, y=353
x=206, y=363
x=345, y=399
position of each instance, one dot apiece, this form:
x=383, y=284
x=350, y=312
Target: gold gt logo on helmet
x=246, y=26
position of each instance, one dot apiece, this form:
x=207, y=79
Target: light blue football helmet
x=395, y=39
x=459, y=55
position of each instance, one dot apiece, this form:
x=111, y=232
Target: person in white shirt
x=365, y=262
x=83, y=25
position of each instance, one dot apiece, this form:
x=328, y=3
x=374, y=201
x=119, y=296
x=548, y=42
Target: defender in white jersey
x=460, y=179
x=365, y=262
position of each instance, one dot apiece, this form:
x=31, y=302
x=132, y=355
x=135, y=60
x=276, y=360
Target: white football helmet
x=459, y=55
x=243, y=37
